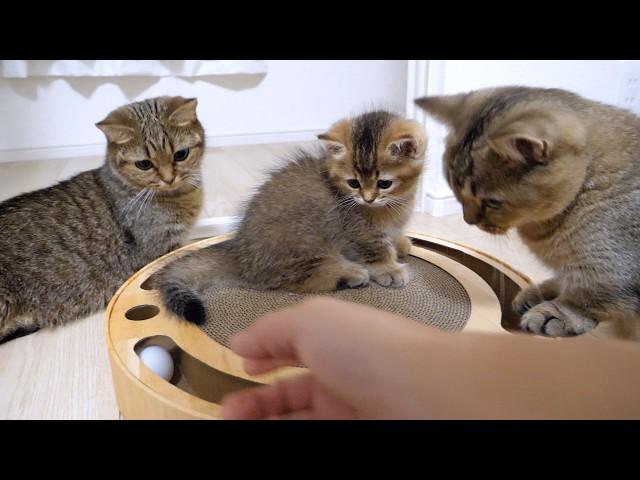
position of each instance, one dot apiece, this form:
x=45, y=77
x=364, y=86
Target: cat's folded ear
x=446, y=108
x=534, y=137
x=184, y=111
x=334, y=148
x=336, y=138
x=407, y=140
x=115, y=129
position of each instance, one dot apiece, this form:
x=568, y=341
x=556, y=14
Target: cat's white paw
x=357, y=278
x=553, y=319
x=403, y=247
x=526, y=300
x=395, y=277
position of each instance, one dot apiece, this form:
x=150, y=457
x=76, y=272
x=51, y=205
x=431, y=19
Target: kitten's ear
x=408, y=140
x=534, y=137
x=115, y=130
x=334, y=148
x=185, y=112
x=408, y=146
x=522, y=148
x=446, y=108
x=336, y=138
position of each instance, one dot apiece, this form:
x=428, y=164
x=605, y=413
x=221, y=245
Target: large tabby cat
x=320, y=221
x=564, y=171
x=64, y=250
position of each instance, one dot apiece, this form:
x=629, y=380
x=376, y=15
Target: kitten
x=565, y=172
x=320, y=222
x=64, y=250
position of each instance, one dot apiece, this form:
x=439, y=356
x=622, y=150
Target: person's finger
x=308, y=414
x=285, y=396
x=257, y=366
x=271, y=336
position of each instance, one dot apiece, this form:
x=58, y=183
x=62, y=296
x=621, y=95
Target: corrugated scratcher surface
x=432, y=297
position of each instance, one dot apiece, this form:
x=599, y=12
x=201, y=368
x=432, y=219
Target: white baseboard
x=210, y=227
x=98, y=149
x=439, y=207
x=262, y=138
x=52, y=153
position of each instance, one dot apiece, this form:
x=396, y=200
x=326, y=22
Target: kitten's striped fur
x=306, y=230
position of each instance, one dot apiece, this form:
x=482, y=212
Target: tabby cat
x=64, y=250
x=322, y=221
x=565, y=172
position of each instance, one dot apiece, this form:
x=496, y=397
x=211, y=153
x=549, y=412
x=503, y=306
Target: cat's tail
x=181, y=282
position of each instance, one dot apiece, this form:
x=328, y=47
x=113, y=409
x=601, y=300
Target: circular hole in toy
x=148, y=283
x=142, y=312
x=192, y=375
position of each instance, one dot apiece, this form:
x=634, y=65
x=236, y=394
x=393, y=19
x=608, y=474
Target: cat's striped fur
x=307, y=230
x=64, y=250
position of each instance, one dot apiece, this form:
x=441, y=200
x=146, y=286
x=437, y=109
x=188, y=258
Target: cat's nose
x=167, y=174
x=471, y=215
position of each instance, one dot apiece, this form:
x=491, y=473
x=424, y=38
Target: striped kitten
x=64, y=250
x=319, y=222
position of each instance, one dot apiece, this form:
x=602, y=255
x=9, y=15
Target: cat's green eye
x=353, y=183
x=492, y=203
x=384, y=184
x=144, y=164
x=180, y=155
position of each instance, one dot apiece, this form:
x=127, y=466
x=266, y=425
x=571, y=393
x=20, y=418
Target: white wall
x=53, y=118
x=601, y=80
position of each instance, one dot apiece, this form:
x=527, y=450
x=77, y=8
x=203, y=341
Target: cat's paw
x=403, y=247
x=356, y=277
x=553, y=319
x=394, y=277
x=526, y=299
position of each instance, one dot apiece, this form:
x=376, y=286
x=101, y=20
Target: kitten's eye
x=180, y=155
x=384, y=183
x=492, y=203
x=353, y=183
x=144, y=164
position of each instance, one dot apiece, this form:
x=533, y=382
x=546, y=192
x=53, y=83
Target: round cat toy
x=452, y=287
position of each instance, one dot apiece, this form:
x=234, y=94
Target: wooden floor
x=64, y=373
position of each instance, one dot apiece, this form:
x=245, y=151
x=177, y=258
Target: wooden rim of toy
x=135, y=317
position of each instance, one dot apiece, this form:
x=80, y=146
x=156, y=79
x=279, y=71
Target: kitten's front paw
x=403, y=247
x=553, y=319
x=356, y=278
x=395, y=277
x=526, y=300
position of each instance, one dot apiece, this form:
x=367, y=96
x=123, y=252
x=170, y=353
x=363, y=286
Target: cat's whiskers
x=395, y=204
x=351, y=207
x=346, y=201
x=194, y=180
x=133, y=202
x=147, y=200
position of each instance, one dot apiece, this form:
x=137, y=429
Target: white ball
x=158, y=360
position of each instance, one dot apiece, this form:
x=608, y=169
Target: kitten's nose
x=369, y=199
x=471, y=215
x=167, y=174
x=168, y=179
